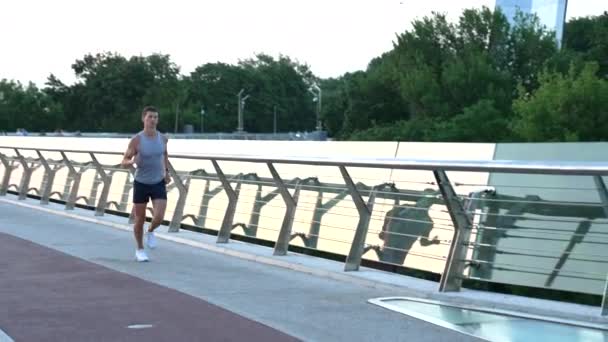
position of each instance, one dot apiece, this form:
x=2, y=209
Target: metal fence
x=363, y=208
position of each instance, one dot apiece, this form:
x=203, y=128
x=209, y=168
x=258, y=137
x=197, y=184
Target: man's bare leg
x=159, y=205
x=138, y=227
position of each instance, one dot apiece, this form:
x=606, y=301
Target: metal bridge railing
x=485, y=234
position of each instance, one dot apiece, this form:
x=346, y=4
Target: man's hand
x=128, y=163
x=424, y=241
x=167, y=178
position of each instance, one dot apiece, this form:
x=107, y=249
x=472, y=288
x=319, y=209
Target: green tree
x=334, y=105
x=272, y=84
x=9, y=92
x=111, y=90
x=26, y=107
x=531, y=46
x=571, y=107
x=359, y=100
x=459, y=79
x=282, y=83
x=419, y=129
x=588, y=36
x=213, y=86
x=446, y=74
x=167, y=91
x=481, y=122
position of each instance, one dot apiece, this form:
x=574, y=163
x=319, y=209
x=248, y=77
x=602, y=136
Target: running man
x=147, y=151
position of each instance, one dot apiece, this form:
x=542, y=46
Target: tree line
x=477, y=79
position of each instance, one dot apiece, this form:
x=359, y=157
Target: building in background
x=552, y=13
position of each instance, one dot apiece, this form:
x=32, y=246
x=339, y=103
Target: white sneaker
x=141, y=256
x=151, y=240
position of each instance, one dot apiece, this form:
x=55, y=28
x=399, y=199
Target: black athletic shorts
x=142, y=193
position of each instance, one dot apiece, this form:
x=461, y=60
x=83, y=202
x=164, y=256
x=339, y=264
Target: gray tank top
x=150, y=159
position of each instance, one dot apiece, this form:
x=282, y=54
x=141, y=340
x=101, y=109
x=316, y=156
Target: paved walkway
x=63, y=279
x=47, y=295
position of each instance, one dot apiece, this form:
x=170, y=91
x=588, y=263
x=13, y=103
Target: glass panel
x=494, y=327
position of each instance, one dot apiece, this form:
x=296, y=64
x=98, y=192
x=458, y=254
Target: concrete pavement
x=305, y=306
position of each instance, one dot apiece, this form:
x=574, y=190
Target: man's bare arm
x=128, y=158
x=167, y=175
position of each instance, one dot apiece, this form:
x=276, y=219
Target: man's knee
x=139, y=220
x=140, y=216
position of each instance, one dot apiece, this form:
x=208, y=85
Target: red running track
x=46, y=295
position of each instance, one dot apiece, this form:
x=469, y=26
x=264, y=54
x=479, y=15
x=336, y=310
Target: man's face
x=150, y=119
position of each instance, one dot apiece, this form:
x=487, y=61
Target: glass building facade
x=552, y=13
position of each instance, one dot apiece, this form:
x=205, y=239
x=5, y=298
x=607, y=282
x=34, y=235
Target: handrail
x=500, y=166
x=504, y=215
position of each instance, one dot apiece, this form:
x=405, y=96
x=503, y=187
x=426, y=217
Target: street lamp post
x=274, y=121
x=316, y=91
x=241, y=107
x=10, y=119
x=1, y=101
x=176, y=117
x=202, y=119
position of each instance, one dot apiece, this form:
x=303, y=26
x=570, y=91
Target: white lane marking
x=140, y=326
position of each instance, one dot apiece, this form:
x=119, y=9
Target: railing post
x=68, y=185
x=97, y=180
x=603, y=192
x=224, y=234
x=251, y=228
x=353, y=261
x=487, y=238
x=315, y=224
x=124, y=197
x=75, y=177
x=103, y=198
x=176, y=221
x=203, y=209
x=25, y=177
x=49, y=178
x=254, y=219
x=260, y=202
x=8, y=169
x=451, y=279
x=320, y=210
x=282, y=245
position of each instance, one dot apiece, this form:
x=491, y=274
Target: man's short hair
x=148, y=109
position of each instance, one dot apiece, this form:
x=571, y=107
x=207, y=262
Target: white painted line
x=4, y=337
x=140, y=326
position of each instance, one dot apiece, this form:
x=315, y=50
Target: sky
x=40, y=37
